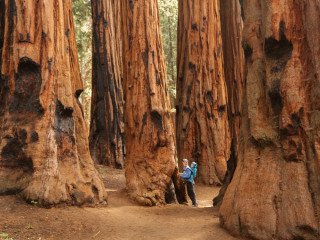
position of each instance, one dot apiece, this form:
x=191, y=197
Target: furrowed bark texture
x=275, y=191
x=179, y=186
x=2, y=17
x=107, y=124
x=44, y=151
x=234, y=68
x=202, y=120
x=3, y=81
x=150, y=147
x=116, y=6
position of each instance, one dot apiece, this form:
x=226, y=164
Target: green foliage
x=4, y=236
x=169, y=24
x=83, y=27
x=29, y=226
x=82, y=19
x=101, y=170
x=34, y=202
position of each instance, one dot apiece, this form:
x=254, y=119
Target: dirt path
x=122, y=219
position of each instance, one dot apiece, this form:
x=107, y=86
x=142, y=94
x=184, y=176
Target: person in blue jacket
x=187, y=176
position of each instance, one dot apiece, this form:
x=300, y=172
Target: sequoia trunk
x=107, y=124
x=44, y=146
x=150, y=158
x=275, y=191
x=202, y=120
x=234, y=68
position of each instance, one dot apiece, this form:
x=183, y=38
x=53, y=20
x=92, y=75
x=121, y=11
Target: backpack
x=194, y=170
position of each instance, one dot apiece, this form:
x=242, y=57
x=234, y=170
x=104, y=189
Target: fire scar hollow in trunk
x=44, y=152
x=275, y=190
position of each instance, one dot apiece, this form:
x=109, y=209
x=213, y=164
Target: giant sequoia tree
x=275, y=191
x=234, y=67
x=202, y=120
x=150, y=162
x=44, y=149
x=107, y=126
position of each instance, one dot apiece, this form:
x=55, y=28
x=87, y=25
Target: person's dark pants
x=191, y=193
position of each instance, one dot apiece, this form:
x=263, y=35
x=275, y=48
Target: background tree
x=169, y=20
x=44, y=144
x=83, y=27
x=202, y=120
x=3, y=82
x=150, y=158
x=107, y=124
x=275, y=190
x=234, y=68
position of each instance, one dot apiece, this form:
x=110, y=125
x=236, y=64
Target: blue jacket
x=187, y=174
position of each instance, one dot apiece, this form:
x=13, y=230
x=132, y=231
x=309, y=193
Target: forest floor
x=121, y=219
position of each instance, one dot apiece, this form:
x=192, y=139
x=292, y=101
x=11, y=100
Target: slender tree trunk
x=170, y=60
x=3, y=79
x=275, y=191
x=202, y=119
x=44, y=147
x=150, y=159
x=2, y=19
x=234, y=68
x=107, y=124
x=116, y=5
x=84, y=99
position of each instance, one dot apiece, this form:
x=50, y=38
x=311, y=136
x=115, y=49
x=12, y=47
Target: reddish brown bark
x=202, y=120
x=3, y=81
x=150, y=157
x=2, y=17
x=275, y=191
x=44, y=146
x=234, y=68
x=116, y=6
x=107, y=126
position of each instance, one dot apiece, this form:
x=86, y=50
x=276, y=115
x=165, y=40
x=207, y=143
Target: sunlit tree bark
x=234, y=68
x=150, y=156
x=275, y=190
x=44, y=151
x=202, y=119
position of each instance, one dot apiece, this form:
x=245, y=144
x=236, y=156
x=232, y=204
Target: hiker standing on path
x=187, y=176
